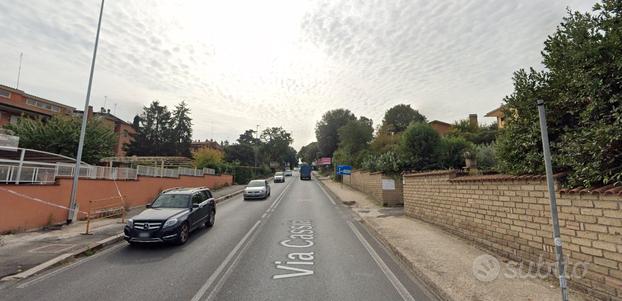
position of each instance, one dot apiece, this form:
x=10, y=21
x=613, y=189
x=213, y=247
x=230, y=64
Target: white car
x=288, y=173
x=257, y=189
x=279, y=177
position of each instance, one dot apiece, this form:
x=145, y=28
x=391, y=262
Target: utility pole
x=76, y=172
x=19, y=69
x=553, y=204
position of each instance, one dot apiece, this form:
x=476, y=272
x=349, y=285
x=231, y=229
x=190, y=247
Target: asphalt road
x=296, y=245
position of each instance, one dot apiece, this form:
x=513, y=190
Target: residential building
x=16, y=103
x=124, y=130
x=198, y=144
x=499, y=114
x=441, y=127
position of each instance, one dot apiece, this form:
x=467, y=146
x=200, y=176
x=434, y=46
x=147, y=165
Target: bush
x=453, y=149
x=581, y=87
x=207, y=157
x=421, y=147
x=243, y=174
x=486, y=157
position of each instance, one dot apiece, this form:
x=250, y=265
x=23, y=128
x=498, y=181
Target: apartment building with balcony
x=16, y=103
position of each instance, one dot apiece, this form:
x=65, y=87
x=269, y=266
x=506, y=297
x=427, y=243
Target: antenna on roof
x=19, y=70
x=114, y=111
x=105, y=101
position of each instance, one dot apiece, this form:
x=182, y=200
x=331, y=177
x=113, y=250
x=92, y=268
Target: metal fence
x=150, y=171
x=27, y=174
x=209, y=171
x=185, y=171
x=97, y=172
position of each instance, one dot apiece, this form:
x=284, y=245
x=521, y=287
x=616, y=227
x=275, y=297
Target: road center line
x=383, y=266
x=234, y=256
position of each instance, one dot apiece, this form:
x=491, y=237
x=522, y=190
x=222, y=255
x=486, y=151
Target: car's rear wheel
x=211, y=219
x=184, y=233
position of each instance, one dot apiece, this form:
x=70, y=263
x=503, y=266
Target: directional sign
x=344, y=170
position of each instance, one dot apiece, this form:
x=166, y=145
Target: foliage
x=421, y=147
x=207, y=157
x=477, y=135
x=486, y=157
x=60, y=135
x=582, y=89
x=181, y=130
x=275, y=145
x=355, y=135
x=240, y=153
x=397, y=118
x=243, y=174
x=160, y=133
x=248, y=138
x=385, y=141
x=388, y=163
x=309, y=152
x=326, y=130
x=453, y=150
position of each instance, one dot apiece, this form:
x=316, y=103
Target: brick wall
x=371, y=184
x=511, y=216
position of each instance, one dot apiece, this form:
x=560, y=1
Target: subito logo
x=486, y=268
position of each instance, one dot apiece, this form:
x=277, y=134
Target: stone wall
x=511, y=216
x=372, y=184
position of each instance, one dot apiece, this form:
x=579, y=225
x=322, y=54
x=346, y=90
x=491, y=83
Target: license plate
x=143, y=234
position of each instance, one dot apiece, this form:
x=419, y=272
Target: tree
x=60, y=135
x=248, y=138
x=421, y=147
x=309, y=152
x=397, y=118
x=207, y=157
x=154, y=132
x=291, y=157
x=326, y=129
x=355, y=135
x=581, y=87
x=240, y=153
x=161, y=133
x=453, y=150
x=181, y=132
x=275, y=144
x=477, y=135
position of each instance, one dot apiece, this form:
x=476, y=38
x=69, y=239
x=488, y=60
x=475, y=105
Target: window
x=197, y=198
x=55, y=109
x=14, y=119
x=5, y=94
x=42, y=105
x=207, y=194
x=31, y=102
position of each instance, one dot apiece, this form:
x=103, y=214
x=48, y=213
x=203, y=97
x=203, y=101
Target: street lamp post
x=76, y=172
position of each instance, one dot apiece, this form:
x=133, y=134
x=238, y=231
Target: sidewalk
x=446, y=263
x=23, y=251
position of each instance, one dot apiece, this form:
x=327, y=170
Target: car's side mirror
x=195, y=205
x=148, y=206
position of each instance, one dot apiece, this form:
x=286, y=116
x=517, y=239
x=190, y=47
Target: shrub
x=207, y=157
x=486, y=157
x=420, y=147
x=453, y=149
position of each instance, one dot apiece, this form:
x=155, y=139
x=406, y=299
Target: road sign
x=344, y=170
x=324, y=161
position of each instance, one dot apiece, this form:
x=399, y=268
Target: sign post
x=553, y=204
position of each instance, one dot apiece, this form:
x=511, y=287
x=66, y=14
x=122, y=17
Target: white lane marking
x=327, y=195
x=383, y=266
x=233, y=255
x=70, y=266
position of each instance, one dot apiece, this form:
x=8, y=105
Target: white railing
x=27, y=174
x=150, y=171
x=97, y=172
x=209, y=171
x=185, y=171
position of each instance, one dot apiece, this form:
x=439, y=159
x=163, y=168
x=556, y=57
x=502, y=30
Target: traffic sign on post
x=344, y=170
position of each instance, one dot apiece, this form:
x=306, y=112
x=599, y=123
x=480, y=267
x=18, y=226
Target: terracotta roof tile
x=608, y=189
x=430, y=173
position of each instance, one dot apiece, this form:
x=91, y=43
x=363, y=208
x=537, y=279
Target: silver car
x=257, y=189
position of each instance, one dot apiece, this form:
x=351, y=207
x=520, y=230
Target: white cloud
x=278, y=63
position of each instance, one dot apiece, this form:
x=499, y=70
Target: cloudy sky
x=277, y=62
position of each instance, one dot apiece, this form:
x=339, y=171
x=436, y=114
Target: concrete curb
x=64, y=258
x=410, y=266
x=228, y=196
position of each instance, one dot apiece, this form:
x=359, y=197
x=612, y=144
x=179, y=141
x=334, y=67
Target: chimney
x=108, y=111
x=102, y=110
x=473, y=121
x=89, y=113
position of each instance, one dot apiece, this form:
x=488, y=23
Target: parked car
x=172, y=216
x=279, y=177
x=257, y=189
x=288, y=173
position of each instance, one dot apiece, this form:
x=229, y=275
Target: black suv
x=172, y=216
